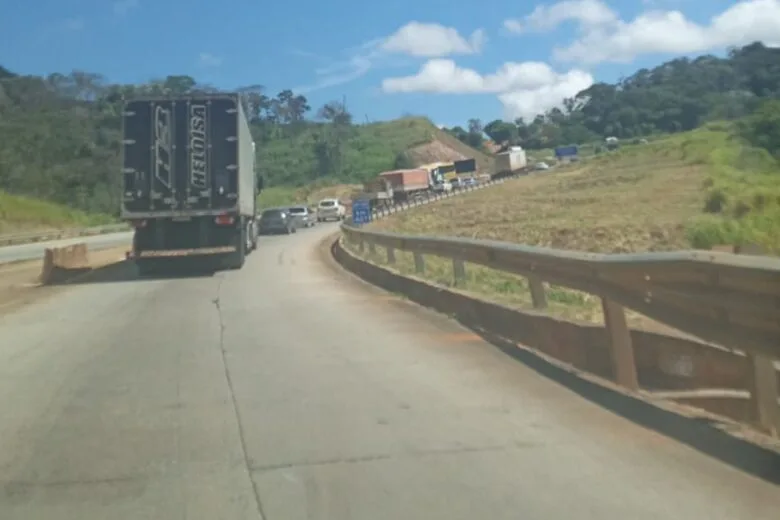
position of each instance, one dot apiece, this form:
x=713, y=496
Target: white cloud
x=514, y=26
x=414, y=40
x=207, y=59
x=431, y=40
x=604, y=37
x=525, y=89
x=587, y=13
x=122, y=7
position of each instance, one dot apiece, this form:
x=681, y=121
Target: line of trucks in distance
x=397, y=186
x=189, y=186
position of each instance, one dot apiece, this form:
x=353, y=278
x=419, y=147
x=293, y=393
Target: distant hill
x=367, y=150
x=679, y=95
x=59, y=138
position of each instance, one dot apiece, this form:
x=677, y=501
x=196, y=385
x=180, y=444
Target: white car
x=328, y=209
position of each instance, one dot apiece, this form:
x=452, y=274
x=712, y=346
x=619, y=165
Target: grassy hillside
x=23, y=214
x=694, y=189
x=362, y=151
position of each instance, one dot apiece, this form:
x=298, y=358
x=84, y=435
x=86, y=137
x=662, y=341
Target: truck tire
x=236, y=260
x=250, y=237
x=254, y=235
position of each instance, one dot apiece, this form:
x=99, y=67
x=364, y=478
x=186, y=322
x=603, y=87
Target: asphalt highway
x=290, y=391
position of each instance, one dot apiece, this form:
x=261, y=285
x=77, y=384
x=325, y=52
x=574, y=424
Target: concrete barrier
x=62, y=263
x=676, y=368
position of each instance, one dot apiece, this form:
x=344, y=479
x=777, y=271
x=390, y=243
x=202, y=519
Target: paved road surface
x=35, y=250
x=286, y=391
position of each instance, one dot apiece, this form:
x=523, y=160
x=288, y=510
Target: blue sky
x=448, y=60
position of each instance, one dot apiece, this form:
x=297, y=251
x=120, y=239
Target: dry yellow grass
x=604, y=207
x=627, y=202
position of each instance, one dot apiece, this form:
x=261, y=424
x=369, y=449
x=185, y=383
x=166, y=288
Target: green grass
x=743, y=192
x=23, y=214
x=741, y=187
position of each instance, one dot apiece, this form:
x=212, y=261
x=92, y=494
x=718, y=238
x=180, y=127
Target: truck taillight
x=138, y=223
x=224, y=220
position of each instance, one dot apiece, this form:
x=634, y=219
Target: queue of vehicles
x=289, y=219
x=397, y=186
x=190, y=187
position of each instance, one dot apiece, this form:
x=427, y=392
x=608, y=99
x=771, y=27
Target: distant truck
x=566, y=153
x=189, y=183
x=395, y=186
x=406, y=184
x=509, y=162
x=466, y=166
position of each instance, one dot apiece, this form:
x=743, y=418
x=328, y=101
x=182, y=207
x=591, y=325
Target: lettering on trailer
x=198, y=125
x=163, y=141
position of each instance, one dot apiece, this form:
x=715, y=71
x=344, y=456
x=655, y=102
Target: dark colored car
x=305, y=217
x=277, y=220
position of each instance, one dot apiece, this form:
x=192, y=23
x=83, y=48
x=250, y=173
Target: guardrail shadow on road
x=704, y=435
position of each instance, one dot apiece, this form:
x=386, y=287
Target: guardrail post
x=764, y=391
x=538, y=294
x=371, y=248
x=623, y=362
x=419, y=263
x=390, y=255
x=361, y=244
x=458, y=271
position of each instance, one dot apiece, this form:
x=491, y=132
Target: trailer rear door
x=180, y=155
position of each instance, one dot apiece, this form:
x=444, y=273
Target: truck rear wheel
x=250, y=237
x=236, y=260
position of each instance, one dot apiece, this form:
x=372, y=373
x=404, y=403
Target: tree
x=678, y=95
x=475, y=135
x=501, y=131
x=762, y=128
x=335, y=112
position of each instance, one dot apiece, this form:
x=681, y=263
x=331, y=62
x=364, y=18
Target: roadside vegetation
x=19, y=214
x=717, y=183
x=59, y=135
x=59, y=140
x=698, y=189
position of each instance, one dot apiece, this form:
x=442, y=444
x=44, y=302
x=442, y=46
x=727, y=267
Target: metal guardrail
x=727, y=299
x=44, y=236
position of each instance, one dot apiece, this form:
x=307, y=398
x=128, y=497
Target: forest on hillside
x=59, y=134
x=679, y=95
